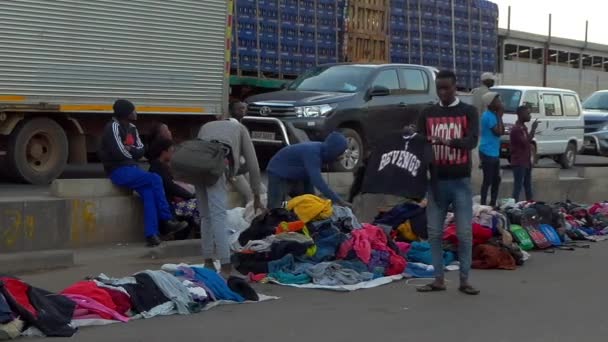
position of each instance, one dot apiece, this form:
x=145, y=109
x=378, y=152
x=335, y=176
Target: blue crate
x=327, y=51
x=268, y=29
x=246, y=42
x=308, y=50
x=245, y=9
x=269, y=41
x=323, y=37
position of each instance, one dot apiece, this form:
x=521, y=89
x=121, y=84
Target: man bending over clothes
x=121, y=148
x=296, y=170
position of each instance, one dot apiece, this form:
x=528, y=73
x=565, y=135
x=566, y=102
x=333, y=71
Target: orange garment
x=286, y=227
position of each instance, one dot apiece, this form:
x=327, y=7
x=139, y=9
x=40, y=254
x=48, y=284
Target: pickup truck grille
x=257, y=109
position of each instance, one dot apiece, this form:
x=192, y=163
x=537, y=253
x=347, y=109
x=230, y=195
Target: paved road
x=96, y=171
x=554, y=297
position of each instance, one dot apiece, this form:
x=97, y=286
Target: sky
x=568, y=17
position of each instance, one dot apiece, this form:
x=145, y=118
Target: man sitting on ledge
x=120, y=150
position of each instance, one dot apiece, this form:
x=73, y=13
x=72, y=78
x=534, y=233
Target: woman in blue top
x=489, y=149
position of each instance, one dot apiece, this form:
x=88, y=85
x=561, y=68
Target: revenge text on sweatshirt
x=120, y=146
x=459, y=124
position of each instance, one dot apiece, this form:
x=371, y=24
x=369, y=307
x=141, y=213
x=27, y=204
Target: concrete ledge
x=35, y=261
x=593, y=172
x=86, y=188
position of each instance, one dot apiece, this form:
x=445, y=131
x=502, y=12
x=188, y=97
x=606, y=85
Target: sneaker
x=152, y=241
x=171, y=227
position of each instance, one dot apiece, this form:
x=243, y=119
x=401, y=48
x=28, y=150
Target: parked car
x=363, y=101
x=595, y=111
x=561, y=126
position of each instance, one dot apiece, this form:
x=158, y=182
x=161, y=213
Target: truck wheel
x=38, y=151
x=352, y=158
x=568, y=159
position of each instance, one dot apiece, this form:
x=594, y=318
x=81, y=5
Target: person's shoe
x=171, y=227
x=152, y=241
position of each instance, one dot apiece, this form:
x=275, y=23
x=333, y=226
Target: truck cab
x=363, y=101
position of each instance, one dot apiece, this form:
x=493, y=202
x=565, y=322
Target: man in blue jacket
x=120, y=150
x=296, y=170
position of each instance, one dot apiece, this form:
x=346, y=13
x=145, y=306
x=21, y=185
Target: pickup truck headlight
x=314, y=111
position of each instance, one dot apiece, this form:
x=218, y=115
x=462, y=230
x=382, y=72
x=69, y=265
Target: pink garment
x=404, y=247
x=86, y=308
x=369, y=238
x=599, y=208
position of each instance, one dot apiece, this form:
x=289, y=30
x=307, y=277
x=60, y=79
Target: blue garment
x=149, y=186
x=216, y=284
x=327, y=238
x=457, y=193
x=418, y=270
x=303, y=162
x=490, y=143
x=287, y=271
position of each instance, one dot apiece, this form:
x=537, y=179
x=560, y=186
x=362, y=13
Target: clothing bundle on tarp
x=301, y=245
x=48, y=312
x=176, y=289
x=408, y=221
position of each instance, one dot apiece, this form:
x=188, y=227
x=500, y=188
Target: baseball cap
x=488, y=76
x=488, y=97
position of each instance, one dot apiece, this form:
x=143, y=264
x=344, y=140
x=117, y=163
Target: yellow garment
x=311, y=208
x=406, y=232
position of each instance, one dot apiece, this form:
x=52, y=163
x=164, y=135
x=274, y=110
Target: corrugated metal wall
x=154, y=52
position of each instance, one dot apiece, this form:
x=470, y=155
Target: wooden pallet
x=367, y=31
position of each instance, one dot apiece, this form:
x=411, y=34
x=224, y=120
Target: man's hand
x=535, y=125
x=345, y=204
x=257, y=204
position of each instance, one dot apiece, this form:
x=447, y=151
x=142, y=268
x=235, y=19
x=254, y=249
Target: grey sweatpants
x=212, y=205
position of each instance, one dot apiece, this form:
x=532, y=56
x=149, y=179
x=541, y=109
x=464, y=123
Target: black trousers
x=490, y=166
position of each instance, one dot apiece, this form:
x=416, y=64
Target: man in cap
x=492, y=129
x=120, y=150
x=487, y=82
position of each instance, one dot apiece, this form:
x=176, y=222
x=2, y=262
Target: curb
x=175, y=249
x=35, y=261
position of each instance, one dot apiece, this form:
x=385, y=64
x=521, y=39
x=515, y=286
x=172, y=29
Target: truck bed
x=79, y=56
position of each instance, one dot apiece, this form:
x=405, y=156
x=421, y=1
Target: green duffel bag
x=522, y=237
x=199, y=162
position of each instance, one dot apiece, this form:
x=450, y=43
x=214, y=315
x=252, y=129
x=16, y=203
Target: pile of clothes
x=176, y=289
x=313, y=241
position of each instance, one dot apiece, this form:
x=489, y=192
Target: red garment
x=492, y=257
x=91, y=290
x=121, y=299
x=18, y=290
x=369, y=238
x=480, y=234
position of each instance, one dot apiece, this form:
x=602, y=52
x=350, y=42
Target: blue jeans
x=212, y=206
x=149, y=186
x=455, y=192
x=280, y=188
x=522, y=176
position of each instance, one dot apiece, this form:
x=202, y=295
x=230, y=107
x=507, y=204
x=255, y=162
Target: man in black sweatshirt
x=452, y=127
x=120, y=150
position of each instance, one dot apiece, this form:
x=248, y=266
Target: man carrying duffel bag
x=223, y=149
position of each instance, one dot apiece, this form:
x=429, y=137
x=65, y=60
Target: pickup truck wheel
x=38, y=151
x=352, y=158
x=568, y=159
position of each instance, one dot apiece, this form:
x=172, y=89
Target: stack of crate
x=425, y=32
x=286, y=37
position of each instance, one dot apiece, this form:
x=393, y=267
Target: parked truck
x=65, y=62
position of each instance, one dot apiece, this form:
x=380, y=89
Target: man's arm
x=498, y=129
x=316, y=179
x=517, y=137
x=138, y=150
x=469, y=141
x=114, y=148
x=248, y=151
